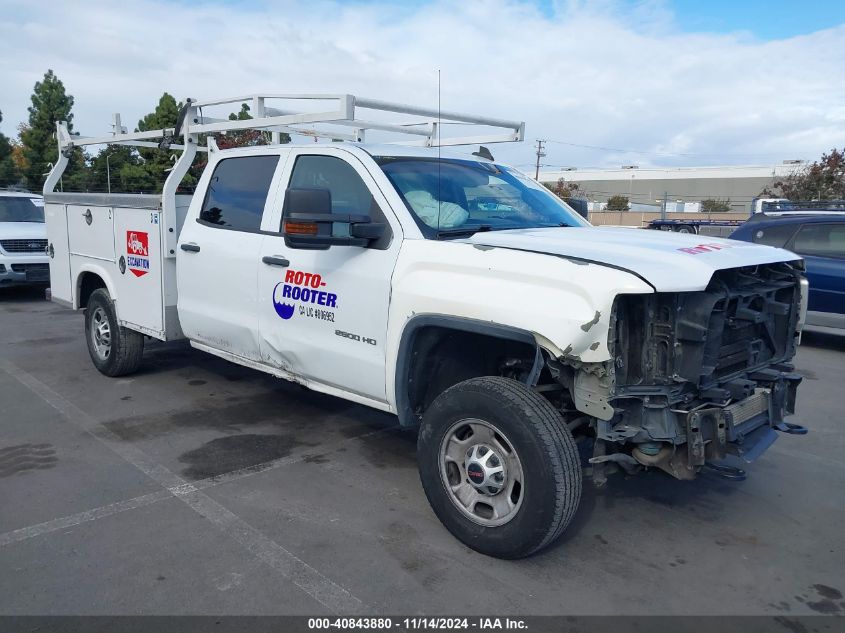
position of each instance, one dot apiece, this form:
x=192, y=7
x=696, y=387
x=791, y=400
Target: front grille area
x=35, y=273
x=31, y=268
x=743, y=321
x=24, y=246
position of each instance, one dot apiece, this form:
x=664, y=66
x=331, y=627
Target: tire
x=499, y=414
x=114, y=350
x=686, y=228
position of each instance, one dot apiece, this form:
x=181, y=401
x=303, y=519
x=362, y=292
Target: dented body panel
x=669, y=262
x=565, y=304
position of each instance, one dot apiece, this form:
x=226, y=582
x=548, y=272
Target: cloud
x=589, y=73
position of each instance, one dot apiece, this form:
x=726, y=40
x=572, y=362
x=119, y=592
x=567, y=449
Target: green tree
x=715, y=205
x=157, y=162
x=106, y=169
x=9, y=175
x=133, y=178
x=823, y=180
x=618, y=203
x=564, y=189
x=50, y=103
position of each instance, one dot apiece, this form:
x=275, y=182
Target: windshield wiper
x=463, y=230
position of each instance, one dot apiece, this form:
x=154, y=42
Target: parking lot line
x=62, y=523
x=307, y=578
x=93, y=514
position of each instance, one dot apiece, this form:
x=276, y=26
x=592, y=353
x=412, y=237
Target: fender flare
x=96, y=269
x=406, y=344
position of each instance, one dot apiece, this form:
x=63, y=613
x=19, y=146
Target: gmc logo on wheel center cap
x=475, y=473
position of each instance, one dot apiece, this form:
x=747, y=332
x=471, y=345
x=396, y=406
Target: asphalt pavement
x=200, y=487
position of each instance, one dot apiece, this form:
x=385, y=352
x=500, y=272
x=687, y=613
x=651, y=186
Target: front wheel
x=499, y=466
x=114, y=350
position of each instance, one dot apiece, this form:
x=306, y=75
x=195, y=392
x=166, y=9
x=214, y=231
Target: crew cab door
x=220, y=252
x=323, y=311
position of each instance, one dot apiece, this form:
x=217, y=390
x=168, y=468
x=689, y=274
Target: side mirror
x=308, y=222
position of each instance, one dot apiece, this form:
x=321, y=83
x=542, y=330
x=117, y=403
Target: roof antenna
x=483, y=152
x=439, y=203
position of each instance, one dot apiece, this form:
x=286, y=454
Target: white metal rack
x=343, y=112
x=335, y=116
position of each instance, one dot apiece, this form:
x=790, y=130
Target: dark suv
x=820, y=239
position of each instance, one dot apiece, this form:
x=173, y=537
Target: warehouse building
x=645, y=186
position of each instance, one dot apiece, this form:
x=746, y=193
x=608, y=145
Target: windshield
x=458, y=197
x=21, y=209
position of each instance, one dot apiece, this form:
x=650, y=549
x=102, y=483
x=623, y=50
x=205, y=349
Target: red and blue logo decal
x=138, y=252
x=302, y=288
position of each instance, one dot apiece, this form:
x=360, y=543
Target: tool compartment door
x=57, y=248
x=137, y=239
x=90, y=231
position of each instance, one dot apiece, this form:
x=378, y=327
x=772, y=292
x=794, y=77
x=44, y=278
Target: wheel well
x=435, y=357
x=88, y=283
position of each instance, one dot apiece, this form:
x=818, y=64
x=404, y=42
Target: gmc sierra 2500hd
x=449, y=289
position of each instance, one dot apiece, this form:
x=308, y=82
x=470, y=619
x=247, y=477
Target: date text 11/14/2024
x=418, y=624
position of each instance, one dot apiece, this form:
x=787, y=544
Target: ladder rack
x=343, y=112
x=335, y=116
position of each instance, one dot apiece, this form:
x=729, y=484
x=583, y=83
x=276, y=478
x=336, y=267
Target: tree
x=823, y=180
x=245, y=138
x=564, y=189
x=618, y=203
x=50, y=103
x=9, y=174
x=107, y=169
x=157, y=162
x=715, y=205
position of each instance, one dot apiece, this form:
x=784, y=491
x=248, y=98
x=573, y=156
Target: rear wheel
x=686, y=228
x=499, y=466
x=114, y=350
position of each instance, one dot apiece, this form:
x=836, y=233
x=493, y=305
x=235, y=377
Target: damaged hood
x=670, y=262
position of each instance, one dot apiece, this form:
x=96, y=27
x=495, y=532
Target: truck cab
x=455, y=292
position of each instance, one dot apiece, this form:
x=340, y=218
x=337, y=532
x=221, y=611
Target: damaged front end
x=694, y=376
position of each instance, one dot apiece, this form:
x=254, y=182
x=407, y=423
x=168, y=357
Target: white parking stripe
x=325, y=591
x=61, y=523
x=82, y=517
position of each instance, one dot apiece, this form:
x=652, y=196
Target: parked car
x=820, y=240
x=23, y=239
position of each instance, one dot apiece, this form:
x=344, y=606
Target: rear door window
x=238, y=192
x=821, y=240
x=774, y=235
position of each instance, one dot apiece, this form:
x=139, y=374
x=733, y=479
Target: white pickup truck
x=450, y=290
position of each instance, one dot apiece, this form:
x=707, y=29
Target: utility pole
x=540, y=154
x=665, y=202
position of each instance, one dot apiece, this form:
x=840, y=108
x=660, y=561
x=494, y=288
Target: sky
x=606, y=82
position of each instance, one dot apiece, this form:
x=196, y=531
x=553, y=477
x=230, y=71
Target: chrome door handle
x=191, y=248
x=276, y=261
